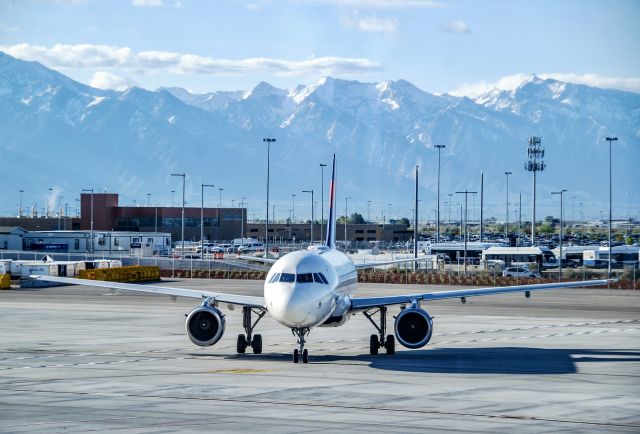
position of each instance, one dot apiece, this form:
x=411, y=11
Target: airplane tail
x=331, y=222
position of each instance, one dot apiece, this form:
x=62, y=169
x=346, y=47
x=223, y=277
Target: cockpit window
x=287, y=277
x=319, y=277
x=305, y=278
x=274, y=278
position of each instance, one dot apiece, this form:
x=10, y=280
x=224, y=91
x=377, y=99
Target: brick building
x=219, y=223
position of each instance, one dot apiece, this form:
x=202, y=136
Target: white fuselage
x=304, y=289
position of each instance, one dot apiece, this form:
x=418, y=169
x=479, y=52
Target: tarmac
x=78, y=359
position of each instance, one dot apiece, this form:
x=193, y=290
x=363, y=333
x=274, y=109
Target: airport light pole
x=346, y=218
x=60, y=210
x=242, y=204
x=20, y=207
x=148, y=199
x=220, y=189
x=155, y=228
x=311, y=234
x=202, y=186
x=561, y=192
x=322, y=166
x=610, y=139
x=49, y=203
x=506, y=227
x=519, y=216
x=293, y=207
x=184, y=178
x=466, y=195
x=368, y=211
x=172, y=191
x=268, y=141
x=415, y=227
x=439, y=148
x=481, y=206
x=450, y=203
x=90, y=190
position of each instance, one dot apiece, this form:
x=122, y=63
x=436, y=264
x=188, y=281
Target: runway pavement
x=77, y=360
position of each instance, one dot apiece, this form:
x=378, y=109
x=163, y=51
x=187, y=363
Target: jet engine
x=413, y=327
x=205, y=325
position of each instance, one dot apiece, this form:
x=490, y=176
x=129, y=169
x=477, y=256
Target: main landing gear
x=301, y=350
x=248, y=339
x=378, y=341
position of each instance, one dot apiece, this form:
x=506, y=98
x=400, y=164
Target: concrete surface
x=76, y=360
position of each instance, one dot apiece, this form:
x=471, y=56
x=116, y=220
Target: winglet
x=331, y=222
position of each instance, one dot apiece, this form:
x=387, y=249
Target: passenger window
x=287, y=277
x=305, y=278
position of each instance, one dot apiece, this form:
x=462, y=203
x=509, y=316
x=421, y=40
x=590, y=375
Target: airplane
x=315, y=288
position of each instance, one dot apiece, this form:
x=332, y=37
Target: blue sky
x=462, y=47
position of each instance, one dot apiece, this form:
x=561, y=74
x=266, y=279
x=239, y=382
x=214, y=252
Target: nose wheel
x=249, y=339
x=301, y=351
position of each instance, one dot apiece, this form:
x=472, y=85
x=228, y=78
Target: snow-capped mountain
x=57, y=132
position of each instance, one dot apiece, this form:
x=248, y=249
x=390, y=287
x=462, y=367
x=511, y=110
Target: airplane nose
x=290, y=305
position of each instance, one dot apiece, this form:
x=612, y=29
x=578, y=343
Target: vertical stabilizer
x=331, y=222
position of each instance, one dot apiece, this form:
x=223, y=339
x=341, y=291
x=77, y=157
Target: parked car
x=445, y=258
x=518, y=272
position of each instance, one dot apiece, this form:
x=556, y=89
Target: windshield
x=287, y=277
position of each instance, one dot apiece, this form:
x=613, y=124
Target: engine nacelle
x=205, y=325
x=413, y=327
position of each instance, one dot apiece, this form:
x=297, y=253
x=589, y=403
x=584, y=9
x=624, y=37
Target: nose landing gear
x=301, y=350
x=255, y=341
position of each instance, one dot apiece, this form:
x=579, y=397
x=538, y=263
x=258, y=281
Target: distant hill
x=55, y=132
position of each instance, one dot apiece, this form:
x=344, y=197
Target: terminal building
x=219, y=223
x=359, y=233
x=108, y=215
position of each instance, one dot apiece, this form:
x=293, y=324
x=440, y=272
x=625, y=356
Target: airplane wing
x=394, y=261
x=369, y=302
x=269, y=261
x=241, y=300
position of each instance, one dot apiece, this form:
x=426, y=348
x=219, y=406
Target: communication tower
x=535, y=164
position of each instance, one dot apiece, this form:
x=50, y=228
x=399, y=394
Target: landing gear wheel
x=241, y=345
x=256, y=344
x=295, y=356
x=305, y=356
x=390, y=345
x=374, y=344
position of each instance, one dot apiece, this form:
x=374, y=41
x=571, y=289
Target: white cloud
x=370, y=24
x=511, y=82
x=457, y=27
x=156, y=3
x=385, y=4
x=108, y=57
x=628, y=84
x=148, y=3
x=65, y=2
x=106, y=80
x=5, y=28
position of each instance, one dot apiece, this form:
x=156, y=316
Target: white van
x=251, y=247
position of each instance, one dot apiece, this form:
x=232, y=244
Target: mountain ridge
x=132, y=140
